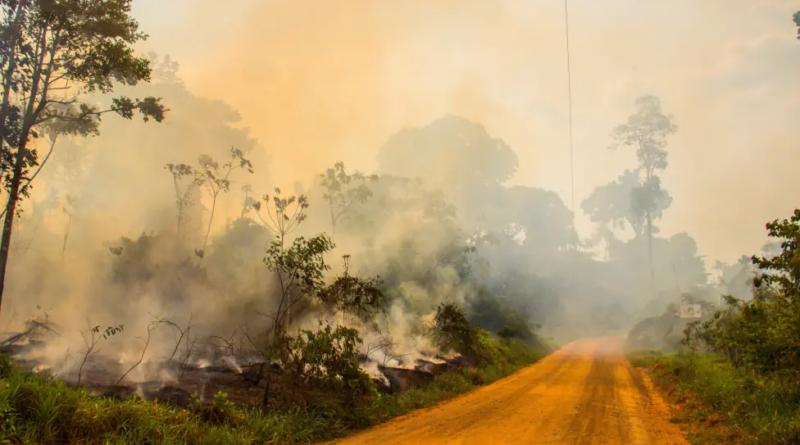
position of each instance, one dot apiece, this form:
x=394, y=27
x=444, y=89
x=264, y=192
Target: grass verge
x=37, y=409
x=719, y=404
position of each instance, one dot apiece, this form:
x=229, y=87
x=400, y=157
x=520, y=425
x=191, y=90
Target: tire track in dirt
x=584, y=394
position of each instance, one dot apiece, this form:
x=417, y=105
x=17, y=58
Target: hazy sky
x=328, y=80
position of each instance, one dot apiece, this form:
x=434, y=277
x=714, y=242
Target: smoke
x=300, y=85
x=321, y=83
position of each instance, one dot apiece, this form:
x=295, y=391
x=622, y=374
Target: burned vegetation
x=288, y=317
x=298, y=332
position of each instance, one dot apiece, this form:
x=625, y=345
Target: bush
x=750, y=374
x=763, y=334
x=762, y=410
x=5, y=366
x=321, y=368
x=495, y=313
x=451, y=331
x=220, y=412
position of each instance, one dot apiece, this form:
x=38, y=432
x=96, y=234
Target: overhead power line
x=569, y=89
x=571, y=150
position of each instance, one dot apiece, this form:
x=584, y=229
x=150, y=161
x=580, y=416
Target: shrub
x=451, y=331
x=5, y=366
x=322, y=366
x=762, y=334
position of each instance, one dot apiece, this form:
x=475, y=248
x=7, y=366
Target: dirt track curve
x=585, y=393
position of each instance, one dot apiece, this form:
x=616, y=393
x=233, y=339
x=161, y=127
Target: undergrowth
x=722, y=404
x=38, y=409
x=740, y=366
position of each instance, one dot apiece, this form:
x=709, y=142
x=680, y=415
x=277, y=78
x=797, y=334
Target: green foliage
x=507, y=333
x=610, y=204
x=322, y=361
x=758, y=410
x=302, y=265
x=762, y=334
x=6, y=365
x=647, y=131
x=57, y=49
x=452, y=331
x=796, y=19
x=343, y=190
x=35, y=408
x=321, y=367
x=782, y=272
x=281, y=219
x=649, y=198
x=84, y=44
x=221, y=411
x=217, y=180
x=494, y=313
x=109, y=331
x=637, y=196
x=353, y=295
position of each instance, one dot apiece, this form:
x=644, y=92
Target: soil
x=584, y=394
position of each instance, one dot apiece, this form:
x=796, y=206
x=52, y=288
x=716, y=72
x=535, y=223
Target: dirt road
x=586, y=393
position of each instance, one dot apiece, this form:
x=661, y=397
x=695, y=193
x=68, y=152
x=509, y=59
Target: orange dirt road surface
x=584, y=394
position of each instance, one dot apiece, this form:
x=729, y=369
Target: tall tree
x=646, y=131
x=343, y=190
x=454, y=155
x=217, y=180
x=545, y=220
x=53, y=52
x=610, y=204
x=185, y=180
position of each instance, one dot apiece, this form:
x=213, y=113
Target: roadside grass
x=38, y=409
x=720, y=404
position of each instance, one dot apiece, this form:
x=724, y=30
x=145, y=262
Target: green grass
x=754, y=409
x=37, y=409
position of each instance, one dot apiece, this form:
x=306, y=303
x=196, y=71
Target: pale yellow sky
x=321, y=81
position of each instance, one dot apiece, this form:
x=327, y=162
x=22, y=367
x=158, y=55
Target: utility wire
x=571, y=162
x=569, y=88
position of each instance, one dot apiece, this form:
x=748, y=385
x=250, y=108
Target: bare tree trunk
x=210, y=222
x=333, y=219
x=31, y=111
x=66, y=238
x=11, y=213
x=650, y=252
x=268, y=379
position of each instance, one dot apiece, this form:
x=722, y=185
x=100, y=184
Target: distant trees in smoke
x=636, y=199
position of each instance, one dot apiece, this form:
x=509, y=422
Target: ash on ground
x=182, y=384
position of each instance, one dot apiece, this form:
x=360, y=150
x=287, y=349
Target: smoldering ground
x=307, y=84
